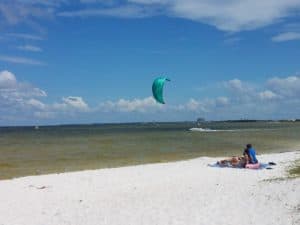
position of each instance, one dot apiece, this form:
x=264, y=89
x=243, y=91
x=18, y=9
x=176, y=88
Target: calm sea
x=53, y=149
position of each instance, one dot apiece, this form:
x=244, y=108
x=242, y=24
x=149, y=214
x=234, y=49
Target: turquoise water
x=29, y=151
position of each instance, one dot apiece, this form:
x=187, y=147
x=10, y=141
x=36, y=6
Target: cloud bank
x=227, y=15
x=21, y=101
x=276, y=98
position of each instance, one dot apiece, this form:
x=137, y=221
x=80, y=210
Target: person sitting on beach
x=249, y=157
x=250, y=154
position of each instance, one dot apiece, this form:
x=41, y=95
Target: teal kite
x=157, y=89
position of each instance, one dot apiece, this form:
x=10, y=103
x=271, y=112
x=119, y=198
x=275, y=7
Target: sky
x=94, y=61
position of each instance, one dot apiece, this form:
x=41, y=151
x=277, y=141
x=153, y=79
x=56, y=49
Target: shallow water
x=28, y=151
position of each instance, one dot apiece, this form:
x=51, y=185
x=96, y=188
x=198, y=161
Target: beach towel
x=228, y=165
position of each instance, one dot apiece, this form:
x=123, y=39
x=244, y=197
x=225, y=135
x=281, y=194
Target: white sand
x=186, y=192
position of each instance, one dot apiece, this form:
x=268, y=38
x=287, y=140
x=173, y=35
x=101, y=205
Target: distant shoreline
x=148, y=122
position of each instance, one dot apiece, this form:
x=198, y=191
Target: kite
x=157, y=89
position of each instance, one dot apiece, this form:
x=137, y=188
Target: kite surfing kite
x=157, y=89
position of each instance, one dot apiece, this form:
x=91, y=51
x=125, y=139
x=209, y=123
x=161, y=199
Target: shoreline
x=164, y=161
x=50, y=150
x=132, y=164
x=181, y=192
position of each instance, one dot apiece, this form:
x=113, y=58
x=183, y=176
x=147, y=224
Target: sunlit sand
x=184, y=192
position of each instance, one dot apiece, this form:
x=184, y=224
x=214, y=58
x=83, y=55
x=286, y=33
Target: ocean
x=54, y=149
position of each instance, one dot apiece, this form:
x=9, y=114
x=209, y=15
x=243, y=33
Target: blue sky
x=89, y=61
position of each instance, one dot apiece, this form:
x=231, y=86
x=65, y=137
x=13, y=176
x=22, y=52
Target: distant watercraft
x=199, y=129
x=202, y=129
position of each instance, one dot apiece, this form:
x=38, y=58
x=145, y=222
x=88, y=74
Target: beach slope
x=185, y=192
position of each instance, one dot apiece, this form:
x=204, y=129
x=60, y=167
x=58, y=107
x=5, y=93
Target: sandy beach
x=184, y=192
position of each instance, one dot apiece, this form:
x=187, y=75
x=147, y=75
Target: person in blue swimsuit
x=250, y=153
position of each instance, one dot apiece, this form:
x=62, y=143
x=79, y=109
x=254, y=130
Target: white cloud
x=9, y=86
x=36, y=104
x=53, y=3
x=235, y=15
x=21, y=60
x=227, y=15
x=7, y=79
x=288, y=87
x=192, y=105
x=241, y=92
x=44, y=115
x=68, y=107
x=30, y=48
x=206, y=105
x=25, y=36
x=29, y=12
x=121, y=12
x=76, y=102
x=272, y=99
x=18, y=99
x=72, y=103
x=275, y=98
x=104, y=2
x=235, y=85
x=268, y=95
x=222, y=101
x=136, y=105
x=287, y=36
x=18, y=11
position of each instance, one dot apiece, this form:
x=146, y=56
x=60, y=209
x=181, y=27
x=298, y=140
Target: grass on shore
x=294, y=171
